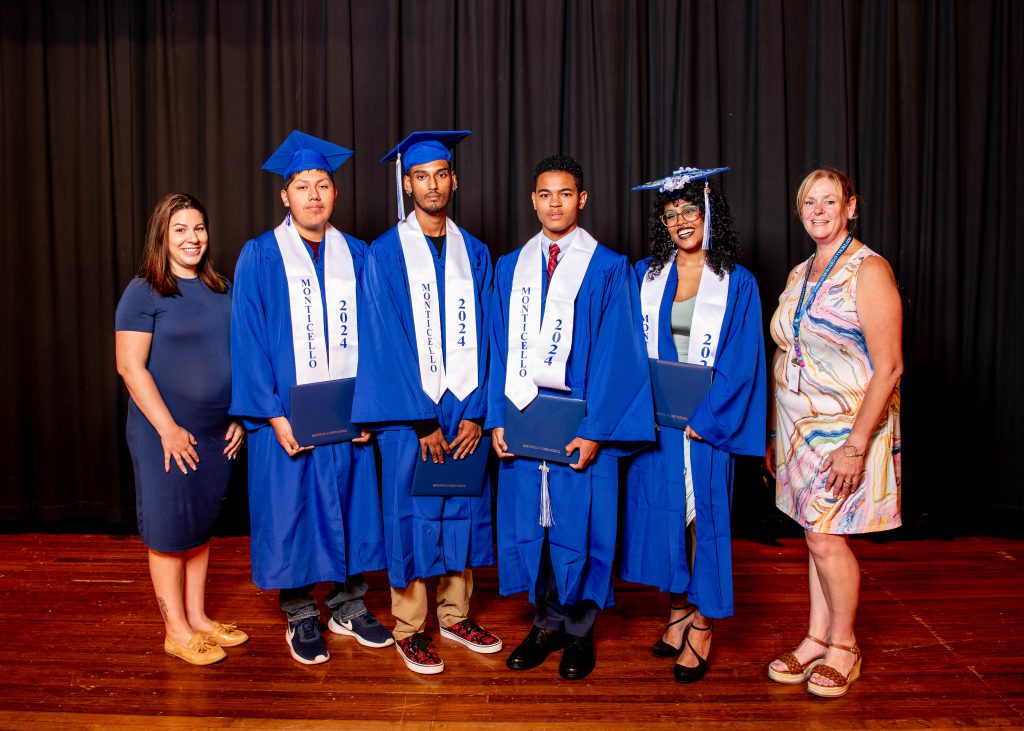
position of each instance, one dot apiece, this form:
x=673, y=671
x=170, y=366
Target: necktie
x=552, y=259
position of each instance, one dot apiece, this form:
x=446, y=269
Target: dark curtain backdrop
x=107, y=105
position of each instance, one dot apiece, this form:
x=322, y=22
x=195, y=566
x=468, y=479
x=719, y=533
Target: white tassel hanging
x=546, y=519
x=399, y=201
x=707, y=216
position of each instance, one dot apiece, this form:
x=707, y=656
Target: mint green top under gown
x=682, y=316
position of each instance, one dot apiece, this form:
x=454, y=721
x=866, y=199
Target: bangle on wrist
x=851, y=451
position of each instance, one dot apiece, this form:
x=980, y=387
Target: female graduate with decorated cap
x=699, y=306
x=172, y=339
x=422, y=388
x=315, y=513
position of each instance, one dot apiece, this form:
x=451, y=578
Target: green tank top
x=682, y=316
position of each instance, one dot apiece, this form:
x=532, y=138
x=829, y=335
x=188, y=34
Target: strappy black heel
x=662, y=648
x=684, y=674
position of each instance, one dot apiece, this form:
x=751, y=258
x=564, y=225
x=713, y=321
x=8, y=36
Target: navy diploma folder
x=678, y=390
x=321, y=412
x=542, y=429
x=453, y=477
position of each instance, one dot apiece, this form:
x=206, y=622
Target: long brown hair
x=156, y=266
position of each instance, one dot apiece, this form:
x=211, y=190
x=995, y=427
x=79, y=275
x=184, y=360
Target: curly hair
x=725, y=247
x=559, y=164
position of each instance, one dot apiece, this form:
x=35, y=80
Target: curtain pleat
x=109, y=104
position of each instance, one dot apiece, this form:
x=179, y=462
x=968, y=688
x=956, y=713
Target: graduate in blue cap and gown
x=699, y=306
x=557, y=523
x=296, y=319
x=421, y=387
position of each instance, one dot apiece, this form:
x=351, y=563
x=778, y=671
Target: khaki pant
x=409, y=605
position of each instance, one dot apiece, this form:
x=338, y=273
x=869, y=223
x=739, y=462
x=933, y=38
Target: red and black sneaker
x=473, y=636
x=419, y=655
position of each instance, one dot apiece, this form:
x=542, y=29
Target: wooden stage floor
x=940, y=626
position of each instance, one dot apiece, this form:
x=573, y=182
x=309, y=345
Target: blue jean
x=345, y=601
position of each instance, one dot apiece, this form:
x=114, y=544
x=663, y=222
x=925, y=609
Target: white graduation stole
x=454, y=369
x=705, y=333
x=317, y=359
x=708, y=313
x=539, y=350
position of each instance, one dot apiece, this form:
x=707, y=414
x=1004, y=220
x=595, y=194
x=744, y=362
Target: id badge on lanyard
x=793, y=375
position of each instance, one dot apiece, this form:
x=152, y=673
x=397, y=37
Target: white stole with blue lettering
x=539, y=350
x=454, y=369
x=317, y=359
x=708, y=313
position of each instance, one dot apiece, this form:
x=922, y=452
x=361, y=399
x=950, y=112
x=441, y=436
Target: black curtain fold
x=108, y=104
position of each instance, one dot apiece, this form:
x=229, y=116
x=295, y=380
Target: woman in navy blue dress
x=172, y=341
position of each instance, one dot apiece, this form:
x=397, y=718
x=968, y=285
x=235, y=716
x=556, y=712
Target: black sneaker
x=305, y=641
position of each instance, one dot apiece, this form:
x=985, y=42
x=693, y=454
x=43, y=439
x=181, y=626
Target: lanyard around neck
x=801, y=308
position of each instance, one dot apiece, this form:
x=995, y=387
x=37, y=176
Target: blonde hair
x=843, y=184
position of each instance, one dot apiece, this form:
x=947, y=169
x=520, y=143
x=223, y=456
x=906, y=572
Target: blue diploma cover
x=542, y=429
x=321, y=412
x=678, y=390
x=462, y=477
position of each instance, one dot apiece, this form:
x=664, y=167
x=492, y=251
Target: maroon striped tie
x=552, y=259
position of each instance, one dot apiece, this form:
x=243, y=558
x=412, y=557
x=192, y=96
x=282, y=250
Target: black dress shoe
x=578, y=658
x=535, y=648
x=684, y=674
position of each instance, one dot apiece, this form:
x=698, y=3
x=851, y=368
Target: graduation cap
x=681, y=177
x=419, y=148
x=300, y=151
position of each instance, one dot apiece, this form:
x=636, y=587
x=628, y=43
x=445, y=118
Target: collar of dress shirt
x=563, y=244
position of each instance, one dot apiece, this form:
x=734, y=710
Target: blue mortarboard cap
x=300, y=151
x=679, y=178
x=417, y=149
x=422, y=147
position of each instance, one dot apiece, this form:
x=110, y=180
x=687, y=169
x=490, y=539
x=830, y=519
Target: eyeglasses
x=689, y=214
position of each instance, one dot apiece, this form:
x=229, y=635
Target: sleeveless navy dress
x=190, y=361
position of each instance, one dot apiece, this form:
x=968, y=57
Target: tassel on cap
x=707, y=216
x=399, y=201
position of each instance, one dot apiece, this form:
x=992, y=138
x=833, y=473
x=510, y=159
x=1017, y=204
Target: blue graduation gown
x=425, y=536
x=607, y=367
x=731, y=421
x=315, y=516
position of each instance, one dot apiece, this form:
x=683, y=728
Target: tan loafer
x=201, y=650
x=226, y=635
